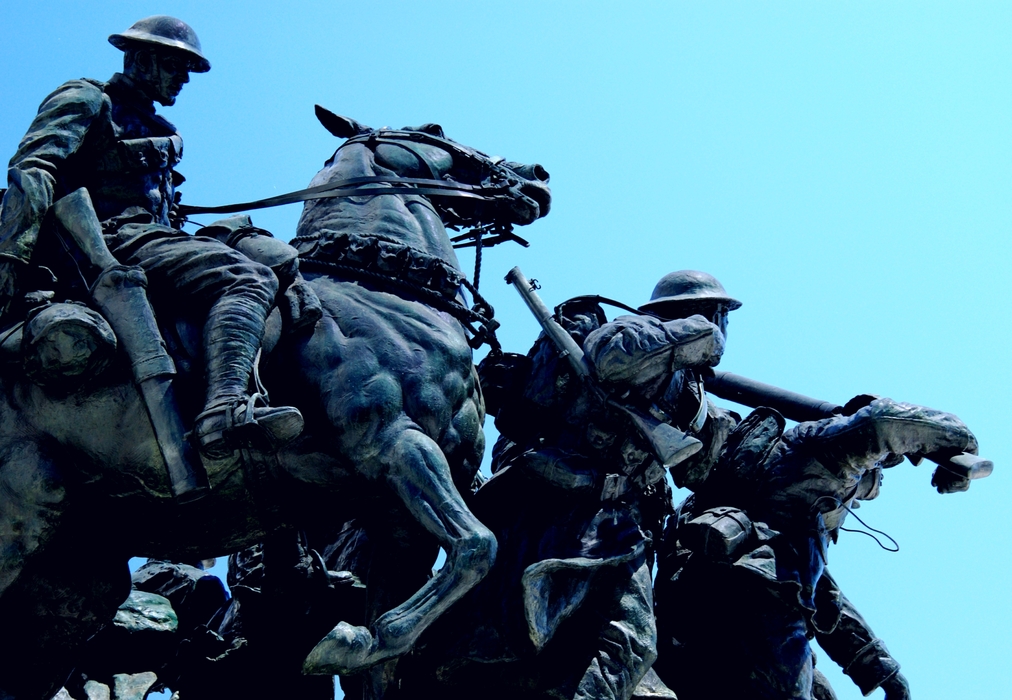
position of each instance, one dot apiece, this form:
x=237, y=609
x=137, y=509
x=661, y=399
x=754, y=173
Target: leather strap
x=350, y=188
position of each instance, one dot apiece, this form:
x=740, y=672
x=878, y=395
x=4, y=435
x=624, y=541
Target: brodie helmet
x=169, y=32
x=688, y=288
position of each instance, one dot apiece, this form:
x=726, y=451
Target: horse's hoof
x=345, y=650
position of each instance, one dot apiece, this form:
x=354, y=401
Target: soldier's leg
x=727, y=634
x=627, y=643
x=201, y=274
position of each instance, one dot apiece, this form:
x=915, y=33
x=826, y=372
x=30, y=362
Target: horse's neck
x=402, y=218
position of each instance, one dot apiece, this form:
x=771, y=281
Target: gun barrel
x=562, y=340
x=669, y=444
x=749, y=392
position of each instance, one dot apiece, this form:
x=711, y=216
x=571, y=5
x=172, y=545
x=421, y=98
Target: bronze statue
x=577, y=498
x=385, y=379
x=742, y=582
x=364, y=329
x=566, y=611
x=107, y=137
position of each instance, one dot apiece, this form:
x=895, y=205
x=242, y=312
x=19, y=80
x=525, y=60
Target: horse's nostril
x=528, y=172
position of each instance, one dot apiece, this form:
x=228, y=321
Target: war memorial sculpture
x=313, y=409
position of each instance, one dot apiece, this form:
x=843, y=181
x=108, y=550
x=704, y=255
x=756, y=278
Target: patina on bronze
x=107, y=138
x=385, y=375
x=364, y=326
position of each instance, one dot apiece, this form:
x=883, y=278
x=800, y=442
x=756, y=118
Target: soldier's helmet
x=687, y=290
x=162, y=30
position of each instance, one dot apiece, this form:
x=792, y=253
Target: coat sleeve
x=851, y=644
x=33, y=177
x=850, y=445
x=639, y=351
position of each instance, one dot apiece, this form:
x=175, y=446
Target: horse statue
x=385, y=380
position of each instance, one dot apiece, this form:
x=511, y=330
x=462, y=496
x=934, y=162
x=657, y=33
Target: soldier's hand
x=945, y=481
x=896, y=687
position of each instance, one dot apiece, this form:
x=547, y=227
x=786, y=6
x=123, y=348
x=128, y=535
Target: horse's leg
x=57, y=588
x=414, y=468
x=400, y=565
x=31, y=507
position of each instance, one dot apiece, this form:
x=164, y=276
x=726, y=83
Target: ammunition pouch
x=720, y=534
x=143, y=155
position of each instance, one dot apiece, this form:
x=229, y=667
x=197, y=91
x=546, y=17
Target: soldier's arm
x=642, y=351
x=56, y=133
x=693, y=471
x=853, y=646
x=884, y=428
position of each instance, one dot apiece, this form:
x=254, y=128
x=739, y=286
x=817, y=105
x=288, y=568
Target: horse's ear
x=341, y=127
x=430, y=128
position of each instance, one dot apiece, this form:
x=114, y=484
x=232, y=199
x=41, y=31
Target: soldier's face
x=719, y=319
x=163, y=75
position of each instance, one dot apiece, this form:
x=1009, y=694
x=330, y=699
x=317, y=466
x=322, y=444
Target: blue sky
x=843, y=168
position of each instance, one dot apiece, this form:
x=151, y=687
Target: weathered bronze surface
x=386, y=372
x=135, y=364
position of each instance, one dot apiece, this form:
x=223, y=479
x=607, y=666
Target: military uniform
x=107, y=139
x=575, y=502
x=742, y=584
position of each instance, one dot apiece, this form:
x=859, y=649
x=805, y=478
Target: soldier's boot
x=231, y=339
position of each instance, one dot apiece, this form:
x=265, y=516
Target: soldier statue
x=107, y=138
x=742, y=584
x=576, y=500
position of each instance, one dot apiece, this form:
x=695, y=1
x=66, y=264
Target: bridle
x=496, y=185
x=496, y=181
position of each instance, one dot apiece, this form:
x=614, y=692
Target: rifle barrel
x=563, y=342
x=749, y=392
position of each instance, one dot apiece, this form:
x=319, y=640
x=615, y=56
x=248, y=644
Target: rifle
x=960, y=469
x=122, y=299
x=668, y=444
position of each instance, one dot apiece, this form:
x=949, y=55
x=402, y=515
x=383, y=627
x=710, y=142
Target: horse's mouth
x=540, y=194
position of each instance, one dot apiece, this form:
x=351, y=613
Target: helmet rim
x=145, y=32
x=689, y=286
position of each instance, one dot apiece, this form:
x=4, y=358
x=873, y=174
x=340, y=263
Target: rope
x=840, y=504
x=477, y=256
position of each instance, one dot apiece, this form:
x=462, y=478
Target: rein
x=479, y=321
x=367, y=186
x=352, y=187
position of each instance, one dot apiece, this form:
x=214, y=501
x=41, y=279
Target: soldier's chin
x=167, y=99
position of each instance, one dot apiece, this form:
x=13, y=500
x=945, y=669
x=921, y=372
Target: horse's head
x=467, y=186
